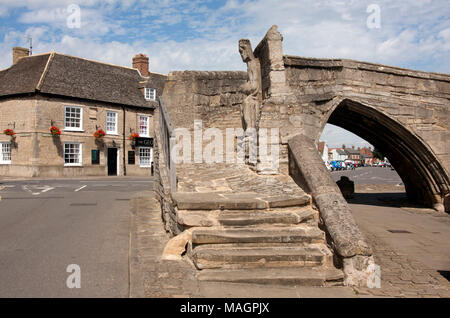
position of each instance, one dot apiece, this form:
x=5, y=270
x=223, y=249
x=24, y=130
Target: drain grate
x=399, y=231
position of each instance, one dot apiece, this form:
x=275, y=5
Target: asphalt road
x=46, y=225
x=369, y=175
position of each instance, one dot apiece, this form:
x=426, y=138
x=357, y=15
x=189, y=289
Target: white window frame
x=2, y=154
x=150, y=94
x=150, y=161
x=80, y=155
x=81, y=119
x=147, y=134
x=116, y=117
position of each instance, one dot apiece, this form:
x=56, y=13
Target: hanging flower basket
x=9, y=132
x=133, y=136
x=99, y=134
x=55, y=131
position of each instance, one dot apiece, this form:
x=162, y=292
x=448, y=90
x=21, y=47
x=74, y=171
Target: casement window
x=111, y=122
x=145, y=157
x=150, y=94
x=144, y=126
x=73, y=118
x=72, y=154
x=5, y=153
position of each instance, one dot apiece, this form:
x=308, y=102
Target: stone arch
x=425, y=179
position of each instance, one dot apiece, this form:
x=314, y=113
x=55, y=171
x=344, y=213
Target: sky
x=204, y=35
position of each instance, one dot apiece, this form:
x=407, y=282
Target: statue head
x=245, y=49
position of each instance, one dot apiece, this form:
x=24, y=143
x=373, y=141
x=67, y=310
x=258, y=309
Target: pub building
x=63, y=116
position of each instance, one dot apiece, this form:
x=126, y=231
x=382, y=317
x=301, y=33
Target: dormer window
x=150, y=94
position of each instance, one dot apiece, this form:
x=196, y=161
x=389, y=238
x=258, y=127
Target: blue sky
x=203, y=35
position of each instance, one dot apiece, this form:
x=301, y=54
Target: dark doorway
x=112, y=161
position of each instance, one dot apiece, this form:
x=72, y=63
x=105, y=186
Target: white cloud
x=335, y=137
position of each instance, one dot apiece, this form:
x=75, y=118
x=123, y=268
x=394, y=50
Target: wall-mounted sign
x=144, y=142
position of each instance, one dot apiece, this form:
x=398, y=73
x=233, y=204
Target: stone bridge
x=232, y=217
x=404, y=113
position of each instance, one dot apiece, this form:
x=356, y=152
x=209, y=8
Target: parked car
x=343, y=165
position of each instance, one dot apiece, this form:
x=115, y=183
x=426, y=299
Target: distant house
x=323, y=150
x=367, y=156
x=80, y=98
x=337, y=154
x=354, y=155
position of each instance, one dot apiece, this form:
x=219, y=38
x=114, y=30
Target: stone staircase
x=251, y=238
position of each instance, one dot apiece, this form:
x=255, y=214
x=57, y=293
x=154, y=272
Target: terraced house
x=67, y=116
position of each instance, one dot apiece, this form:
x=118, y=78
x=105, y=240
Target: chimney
x=140, y=62
x=353, y=147
x=18, y=53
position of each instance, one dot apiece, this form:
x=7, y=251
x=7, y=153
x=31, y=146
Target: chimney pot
x=19, y=52
x=140, y=62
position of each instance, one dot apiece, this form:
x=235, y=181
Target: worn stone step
x=236, y=201
x=257, y=218
x=198, y=218
x=292, y=234
x=316, y=276
x=240, y=256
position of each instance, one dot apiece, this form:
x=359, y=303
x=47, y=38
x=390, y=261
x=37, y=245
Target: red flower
x=99, y=133
x=55, y=131
x=9, y=132
x=133, y=136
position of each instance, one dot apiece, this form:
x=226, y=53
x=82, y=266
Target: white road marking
x=43, y=189
x=80, y=188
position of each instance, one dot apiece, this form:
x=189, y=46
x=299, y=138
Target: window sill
x=112, y=134
x=5, y=163
x=73, y=165
x=73, y=130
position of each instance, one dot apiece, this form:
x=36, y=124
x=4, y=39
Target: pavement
x=412, y=264
x=46, y=225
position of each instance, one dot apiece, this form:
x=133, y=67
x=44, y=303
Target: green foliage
x=377, y=154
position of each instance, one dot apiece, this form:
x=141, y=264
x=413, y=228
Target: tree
x=377, y=153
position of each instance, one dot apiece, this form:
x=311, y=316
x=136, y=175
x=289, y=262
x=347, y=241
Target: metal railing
x=167, y=137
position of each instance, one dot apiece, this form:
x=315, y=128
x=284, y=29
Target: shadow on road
x=388, y=199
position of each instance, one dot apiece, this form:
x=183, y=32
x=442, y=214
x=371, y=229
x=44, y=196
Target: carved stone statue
x=251, y=106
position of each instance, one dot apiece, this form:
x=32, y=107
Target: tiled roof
x=64, y=75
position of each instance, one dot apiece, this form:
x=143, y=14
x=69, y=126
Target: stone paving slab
x=234, y=178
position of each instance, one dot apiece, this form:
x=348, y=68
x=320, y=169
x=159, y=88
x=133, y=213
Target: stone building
x=337, y=154
x=79, y=97
x=354, y=155
x=322, y=147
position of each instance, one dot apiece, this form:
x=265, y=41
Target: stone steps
x=271, y=217
x=274, y=255
x=236, y=201
x=250, y=237
x=290, y=234
x=316, y=276
x=234, y=218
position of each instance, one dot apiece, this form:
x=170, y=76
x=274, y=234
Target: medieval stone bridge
x=404, y=113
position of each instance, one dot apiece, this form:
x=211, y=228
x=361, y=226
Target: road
x=369, y=175
x=381, y=209
x=46, y=225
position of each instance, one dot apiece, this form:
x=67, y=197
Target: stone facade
x=36, y=152
x=34, y=95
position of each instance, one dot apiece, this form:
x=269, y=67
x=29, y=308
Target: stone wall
x=212, y=97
